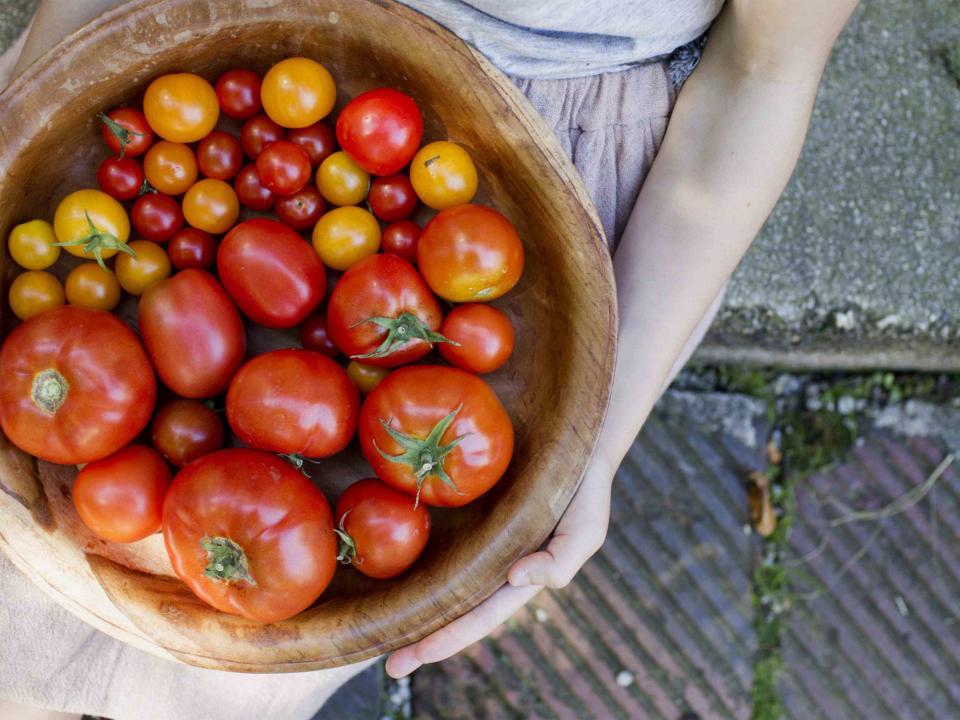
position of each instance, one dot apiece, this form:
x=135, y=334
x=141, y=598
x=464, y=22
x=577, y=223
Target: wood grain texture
x=555, y=387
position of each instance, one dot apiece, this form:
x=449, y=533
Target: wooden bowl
x=555, y=387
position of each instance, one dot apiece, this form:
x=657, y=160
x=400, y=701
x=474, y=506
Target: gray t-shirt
x=571, y=38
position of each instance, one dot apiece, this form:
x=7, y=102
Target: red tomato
x=381, y=532
x=239, y=93
x=219, y=155
x=192, y=248
x=120, y=177
x=484, y=334
x=470, y=253
x=284, y=168
x=271, y=273
x=392, y=197
x=258, y=132
x=193, y=333
x=302, y=209
x=295, y=402
x=314, y=336
x=76, y=387
x=156, y=216
x=401, y=238
x=250, y=191
x=249, y=534
x=120, y=498
x=126, y=131
x=437, y=433
x=381, y=129
x=317, y=140
x=184, y=430
x=381, y=312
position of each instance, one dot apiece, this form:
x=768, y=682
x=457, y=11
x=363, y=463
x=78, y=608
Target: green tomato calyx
x=400, y=330
x=96, y=240
x=226, y=561
x=49, y=390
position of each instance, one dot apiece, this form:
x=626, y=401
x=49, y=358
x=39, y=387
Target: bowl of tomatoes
x=308, y=331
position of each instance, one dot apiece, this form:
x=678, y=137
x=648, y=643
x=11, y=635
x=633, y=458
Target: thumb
x=562, y=559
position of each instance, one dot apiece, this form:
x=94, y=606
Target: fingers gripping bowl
x=554, y=388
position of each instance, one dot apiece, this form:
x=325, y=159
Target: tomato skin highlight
x=485, y=336
x=271, y=512
x=193, y=333
x=381, y=129
x=107, y=387
x=184, y=430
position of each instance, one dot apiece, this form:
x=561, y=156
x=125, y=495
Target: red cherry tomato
x=156, y=216
x=250, y=191
x=484, y=336
x=258, y=132
x=126, y=131
x=184, y=430
x=120, y=177
x=239, y=93
x=219, y=155
x=192, y=248
x=284, y=168
x=317, y=140
x=401, y=238
x=314, y=336
x=302, y=209
x=381, y=130
x=392, y=197
x=381, y=532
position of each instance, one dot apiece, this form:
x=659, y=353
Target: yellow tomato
x=212, y=206
x=91, y=224
x=345, y=236
x=32, y=246
x=443, y=175
x=33, y=292
x=297, y=92
x=182, y=107
x=170, y=167
x=151, y=265
x=341, y=181
x=90, y=286
x=366, y=377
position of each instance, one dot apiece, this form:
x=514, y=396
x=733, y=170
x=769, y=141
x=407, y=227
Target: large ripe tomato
x=381, y=129
x=317, y=140
x=284, y=168
x=437, y=433
x=443, y=175
x=345, y=236
x=470, y=253
x=301, y=210
x=220, y=156
x=401, y=238
x=192, y=248
x=294, y=402
x=239, y=93
x=170, y=167
x=250, y=191
x=184, y=430
x=341, y=181
x=32, y=245
x=34, y=292
x=381, y=312
x=90, y=286
x=381, y=532
x=126, y=131
x=249, y=534
x=392, y=197
x=77, y=385
x=150, y=266
x=156, y=216
x=483, y=335
x=120, y=498
x=298, y=92
x=92, y=225
x=120, y=177
x=258, y=132
x=193, y=333
x=271, y=273
x=211, y=205
x=182, y=107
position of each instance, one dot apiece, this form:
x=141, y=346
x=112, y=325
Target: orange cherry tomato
x=151, y=265
x=33, y=292
x=90, y=286
x=345, y=236
x=170, y=167
x=298, y=92
x=443, y=175
x=341, y=181
x=31, y=245
x=212, y=206
x=182, y=107
x=366, y=377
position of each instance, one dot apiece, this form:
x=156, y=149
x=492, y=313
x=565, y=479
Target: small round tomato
x=184, y=430
x=170, y=167
x=32, y=245
x=482, y=338
x=366, y=377
x=345, y=236
x=317, y=140
x=470, y=253
x=298, y=92
x=249, y=534
x=90, y=286
x=284, y=168
x=381, y=532
x=302, y=209
x=211, y=205
x=90, y=224
x=314, y=336
x=182, y=107
x=34, y=292
x=401, y=238
x=239, y=93
x=151, y=265
x=295, y=402
x=341, y=180
x=192, y=248
x=381, y=129
x=120, y=177
x=156, y=216
x=220, y=156
x=392, y=197
x=120, y=498
x=258, y=132
x=437, y=433
x=443, y=175
x=250, y=191
x=126, y=131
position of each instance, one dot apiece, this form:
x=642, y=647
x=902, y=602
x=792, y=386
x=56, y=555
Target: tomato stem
x=347, y=548
x=225, y=560
x=49, y=390
x=118, y=131
x=96, y=240
x=145, y=188
x=404, y=328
